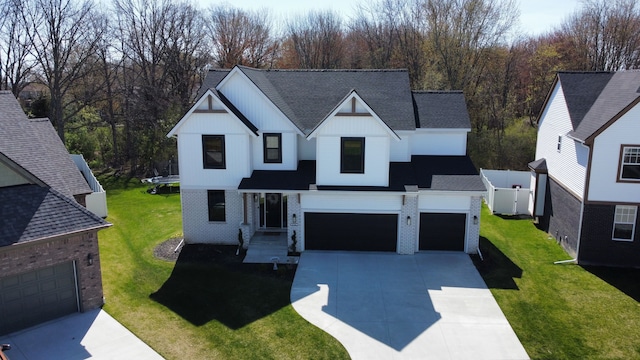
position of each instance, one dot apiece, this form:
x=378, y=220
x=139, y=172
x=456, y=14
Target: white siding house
x=586, y=177
x=338, y=159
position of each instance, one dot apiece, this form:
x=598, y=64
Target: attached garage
x=442, y=231
x=351, y=231
x=36, y=296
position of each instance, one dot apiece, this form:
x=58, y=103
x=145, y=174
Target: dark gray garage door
x=339, y=231
x=37, y=296
x=442, y=231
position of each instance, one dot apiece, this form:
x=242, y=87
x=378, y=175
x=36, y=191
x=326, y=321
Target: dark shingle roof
x=620, y=90
x=446, y=173
x=32, y=212
x=442, y=173
x=211, y=80
x=539, y=166
x=441, y=109
x=34, y=145
x=306, y=97
x=581, y=89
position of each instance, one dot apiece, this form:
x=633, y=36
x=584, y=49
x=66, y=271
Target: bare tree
x=241, y=37
x=64, y=37
x=15, y=48
x=315, y=41
x=460, y=32
x=605, y=35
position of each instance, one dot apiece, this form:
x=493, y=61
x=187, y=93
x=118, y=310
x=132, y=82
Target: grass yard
x=196, y=309
x=558, y=311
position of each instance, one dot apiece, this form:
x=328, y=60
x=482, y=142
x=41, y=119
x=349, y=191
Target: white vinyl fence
x=97, y=200
x=507, y=191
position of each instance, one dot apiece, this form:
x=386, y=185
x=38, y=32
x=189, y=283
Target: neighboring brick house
x=49, y=258
x=345, y=159
x=586, y=176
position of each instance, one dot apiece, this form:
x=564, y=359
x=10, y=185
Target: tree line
x=115, y=77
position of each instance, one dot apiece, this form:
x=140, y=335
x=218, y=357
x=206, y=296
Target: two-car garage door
x=349, y=231
x=36, y=296
x=379, y=232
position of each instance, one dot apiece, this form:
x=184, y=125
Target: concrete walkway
x=387, y=306
x=90, y=335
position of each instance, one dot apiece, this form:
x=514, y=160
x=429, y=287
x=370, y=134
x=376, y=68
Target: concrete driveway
x=386, y=306
x=90, y=335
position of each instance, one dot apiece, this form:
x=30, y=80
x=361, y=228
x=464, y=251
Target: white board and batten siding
x=306, y=148
x=603, y=185
x=193, y=175
x=351, y=203
x=567, y=165
x=289, y=152
x=439, y=142
x=253, y=104
x=429, y=202
x=376, y=151
x=400, y=151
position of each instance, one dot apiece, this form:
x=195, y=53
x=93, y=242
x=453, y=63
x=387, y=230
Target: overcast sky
x=536, y=16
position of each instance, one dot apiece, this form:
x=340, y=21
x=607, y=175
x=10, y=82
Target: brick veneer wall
x=17, y=259
x=407, y=242
x=596, y=245
x=195, y=218
x=294, y=207
x=473, y=230
x=561, y=216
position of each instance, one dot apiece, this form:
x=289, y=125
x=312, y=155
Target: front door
x=273, y=210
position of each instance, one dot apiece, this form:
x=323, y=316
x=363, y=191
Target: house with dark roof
x=49, y=259
x=335, y=159
x=586, y=176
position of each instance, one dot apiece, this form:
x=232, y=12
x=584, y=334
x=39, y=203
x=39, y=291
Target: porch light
x=408, y=220
x=89, y=259
x=475, y=220
x=294, y=220
x=255, y=197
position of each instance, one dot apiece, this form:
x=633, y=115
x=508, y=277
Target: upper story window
x=624, y=222
x=213, y=153
x=559, y=147
x=352, y=155
x=272, y=148
x=629, y=163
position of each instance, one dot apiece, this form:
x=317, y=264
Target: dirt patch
x=167, y=250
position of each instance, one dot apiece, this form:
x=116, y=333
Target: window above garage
x=352, y=155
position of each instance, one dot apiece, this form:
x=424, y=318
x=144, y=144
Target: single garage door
x=442, y=231
x=340, y=231
x=36, y=296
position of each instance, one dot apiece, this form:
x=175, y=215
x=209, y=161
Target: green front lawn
x=196, y=310
x=558, y=311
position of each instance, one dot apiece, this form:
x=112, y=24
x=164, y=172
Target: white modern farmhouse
x=337, y=159
x=586, y=176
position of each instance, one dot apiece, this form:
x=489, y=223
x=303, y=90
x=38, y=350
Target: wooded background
x=115, y=77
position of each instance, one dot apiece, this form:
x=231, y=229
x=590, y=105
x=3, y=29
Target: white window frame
x=625, y=215
x=623, y=162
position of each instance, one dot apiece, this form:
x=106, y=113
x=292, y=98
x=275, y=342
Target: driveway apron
x=431, y=305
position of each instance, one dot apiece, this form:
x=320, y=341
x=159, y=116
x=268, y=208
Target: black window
x=272, y=148
x=352, y=155
x=216, y=205
x=213, y=151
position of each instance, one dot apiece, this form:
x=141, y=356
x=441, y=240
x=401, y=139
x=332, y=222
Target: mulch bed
x=224, y=255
